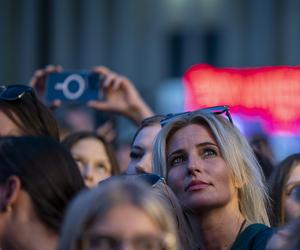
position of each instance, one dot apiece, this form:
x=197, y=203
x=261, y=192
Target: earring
x=8, y=209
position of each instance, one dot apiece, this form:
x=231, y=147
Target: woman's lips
x=196, y=185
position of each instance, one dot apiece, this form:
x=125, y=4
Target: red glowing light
x=272, y=93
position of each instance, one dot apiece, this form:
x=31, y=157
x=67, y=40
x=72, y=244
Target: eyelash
x=209, y=152
x=173, y=162
x=135, y=155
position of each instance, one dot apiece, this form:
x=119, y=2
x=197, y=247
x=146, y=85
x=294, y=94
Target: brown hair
x=73, y=138
x=31, y=116
x=279, y=179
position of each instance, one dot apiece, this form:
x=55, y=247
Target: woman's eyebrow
x=203, y=144
x=178, y=151
x=136, y=147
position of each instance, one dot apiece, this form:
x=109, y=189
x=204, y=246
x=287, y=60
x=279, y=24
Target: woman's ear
x=10, y=193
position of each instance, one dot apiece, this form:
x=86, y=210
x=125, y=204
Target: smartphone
x=76, y=87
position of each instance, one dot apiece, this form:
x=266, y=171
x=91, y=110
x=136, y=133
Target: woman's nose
x=194, y=164
x=144, y=165
x=87, y=172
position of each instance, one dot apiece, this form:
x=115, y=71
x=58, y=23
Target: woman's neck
x=34, y=236
x=43, y=239
x=217, y=229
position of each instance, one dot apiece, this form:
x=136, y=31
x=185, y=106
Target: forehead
x=294, y=174
x=190, y=135
x=117, y=220
x=147, y=135
x=91, y=146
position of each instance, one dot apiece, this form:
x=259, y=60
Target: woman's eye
x=135, y=155
x=79, y=163
x=209, y=152
x=177, y=161
x=102, y=168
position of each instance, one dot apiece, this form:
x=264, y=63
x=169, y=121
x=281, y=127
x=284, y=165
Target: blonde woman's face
x=124, y=227
x=292, y=205
x=197, y=173
x=92, y=160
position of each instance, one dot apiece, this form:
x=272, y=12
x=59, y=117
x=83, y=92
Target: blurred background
x=152, y=42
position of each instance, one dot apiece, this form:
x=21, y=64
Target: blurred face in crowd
x=8, y=127
x=141, y=150
x=92, y=159
x=279, y=240
x=111, y=231
x=292, y=198
x=197, y=172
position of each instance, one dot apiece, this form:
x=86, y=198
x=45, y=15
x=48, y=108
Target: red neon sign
x=271, y=93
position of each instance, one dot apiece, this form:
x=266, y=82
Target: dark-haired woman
x=21, y=113
x=38, y=178
x=94, y=156
x=285, y=190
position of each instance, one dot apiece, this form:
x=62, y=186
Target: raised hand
x=38, y=82
x=120, y=96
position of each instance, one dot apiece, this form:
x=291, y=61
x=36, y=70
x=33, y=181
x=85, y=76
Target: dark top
x=254, y=237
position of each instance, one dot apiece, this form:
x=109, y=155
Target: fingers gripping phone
x=77, y=87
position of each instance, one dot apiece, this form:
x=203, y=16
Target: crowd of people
x=193, y=181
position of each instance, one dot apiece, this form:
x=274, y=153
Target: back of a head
x=47, y=173
x=31, y=116
x=108, y=195
x=166, y=196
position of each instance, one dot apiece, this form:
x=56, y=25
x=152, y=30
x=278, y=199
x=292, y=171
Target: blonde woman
x=118, y=214
x=213, y=172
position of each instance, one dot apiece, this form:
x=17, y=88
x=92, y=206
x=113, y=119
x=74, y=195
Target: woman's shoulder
x=255, y=236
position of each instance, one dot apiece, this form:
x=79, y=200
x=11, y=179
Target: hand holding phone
x=120, y=96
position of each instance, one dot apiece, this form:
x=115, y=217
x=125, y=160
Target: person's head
x=94, y=156
x=142, y=145
x=21, y=113
x=209, y=164
x=120, y=213
x=38, y=178
x=166, y=196
x=286, y=237
x=285, y=190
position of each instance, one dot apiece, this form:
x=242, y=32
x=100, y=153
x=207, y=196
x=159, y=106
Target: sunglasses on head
x=216, y=110
x=14, y=92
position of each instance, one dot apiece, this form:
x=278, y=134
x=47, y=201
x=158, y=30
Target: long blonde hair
x=236, y=152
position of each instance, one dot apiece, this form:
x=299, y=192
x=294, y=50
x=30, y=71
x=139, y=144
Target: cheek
x=175, y=179
x=221, y=175
x=292, y=208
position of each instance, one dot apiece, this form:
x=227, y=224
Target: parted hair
x=237, y=153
